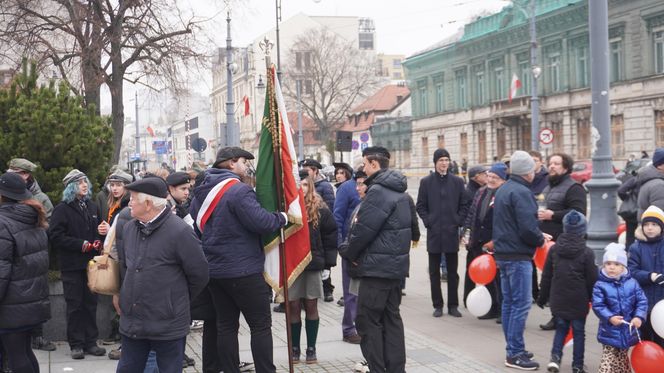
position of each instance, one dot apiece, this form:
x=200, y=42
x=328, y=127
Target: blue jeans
x=579, y=335
x=151, y=364
x=135, y=354
x=516, y=284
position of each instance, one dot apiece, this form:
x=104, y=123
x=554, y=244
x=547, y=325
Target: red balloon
x=647, y=357
x=621, y=228
x=541, y=253
x=482, y=270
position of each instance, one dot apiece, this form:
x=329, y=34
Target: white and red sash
x=210, y=203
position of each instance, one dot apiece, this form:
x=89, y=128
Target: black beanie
x=440, y=152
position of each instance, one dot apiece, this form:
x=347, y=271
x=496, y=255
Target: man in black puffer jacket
x=378, y=249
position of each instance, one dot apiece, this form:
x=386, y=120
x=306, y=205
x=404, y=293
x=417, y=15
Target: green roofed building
x=460, y=86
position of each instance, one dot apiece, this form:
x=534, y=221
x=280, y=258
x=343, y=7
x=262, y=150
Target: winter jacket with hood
x=646, y=258
x=325, y=190
x=323, y=241
x=441, y=204
x=516, y=231
x=23, y=267
x=568, y=278
x=618, y=297
x=69, y=227
x=163, y=268
x=232, y=237
x=40, y=196
x=651, y=189
x=379, y=238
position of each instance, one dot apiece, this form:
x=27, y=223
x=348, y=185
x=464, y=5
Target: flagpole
x=276, y=149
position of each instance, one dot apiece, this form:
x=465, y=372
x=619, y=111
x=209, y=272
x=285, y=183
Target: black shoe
x=328, y=297
x=279, y=308
x=437, y=312
x=443, y=277
x=296, y=355
x=499, y=320
x=454, y=312
x=246, y=366
x=77, y=354
x=341, y=302
x=189, y=361
x=41, y=343
x=551, y=325
x=111, y=340
x=95, y=351
x=311, y=355
x=522, y=362
x=488, y=316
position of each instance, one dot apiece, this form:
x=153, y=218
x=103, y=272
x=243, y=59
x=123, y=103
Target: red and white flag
x=245, y=100
x=514, y=87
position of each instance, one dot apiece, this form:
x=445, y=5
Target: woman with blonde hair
x=308, y=287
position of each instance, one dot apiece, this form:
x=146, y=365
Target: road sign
x=199, y=145
x=546, y=136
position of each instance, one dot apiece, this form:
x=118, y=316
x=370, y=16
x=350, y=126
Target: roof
x=382, y=101
x=309, y=129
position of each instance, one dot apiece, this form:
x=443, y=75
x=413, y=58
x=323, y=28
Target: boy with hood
x=647, y=264
x=567, y=284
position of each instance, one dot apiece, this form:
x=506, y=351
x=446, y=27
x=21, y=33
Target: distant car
x=582, y=171
x=631, y=169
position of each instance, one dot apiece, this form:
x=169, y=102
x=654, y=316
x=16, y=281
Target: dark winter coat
x=618, y=297
x=379, y=239
x=325, y=190
x=323, y=240
x=441, y=204
x=69, y=227
x=347, y=199
x=101, y=200
x=568, y=278
x=651, y=189
x=471, y=190
x=646, y=258
x=415, y=224
x=232, y=238
x=23, y=268
x=540, y=181
x=480, y=228
x=561, y=198
x=516, y=232
x=40, y=196
x=163, y=268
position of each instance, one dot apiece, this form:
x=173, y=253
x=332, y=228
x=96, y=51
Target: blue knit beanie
x=575, y=223
x=500, y=169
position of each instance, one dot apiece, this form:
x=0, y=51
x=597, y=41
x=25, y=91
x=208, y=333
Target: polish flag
x=516, y=84
x=245, y=100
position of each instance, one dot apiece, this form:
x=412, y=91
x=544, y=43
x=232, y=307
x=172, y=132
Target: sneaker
x=582, y=369
x=521, y=362
x=361, y=367
x=189, y=361
x=77, y=354
x=353, y=339
x=554, y=364
x=41, y=343
x=328, y=297
x=115, y=354
x=279, y=308
x=296, y=355
x=454, y=312
x=311, y=355
x=246, y=366
x=95, y=351
x=341, y=302
x=437, y=312
x=196, y=324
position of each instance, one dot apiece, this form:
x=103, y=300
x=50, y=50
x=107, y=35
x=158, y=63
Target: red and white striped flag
x=514, y=87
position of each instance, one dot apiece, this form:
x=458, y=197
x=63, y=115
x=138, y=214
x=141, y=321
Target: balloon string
x=638, y=335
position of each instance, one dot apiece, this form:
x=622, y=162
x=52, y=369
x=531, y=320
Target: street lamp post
x=300, y=137
x=534, y=99
x=603, y=184
x=232, y=139
x=138, y=137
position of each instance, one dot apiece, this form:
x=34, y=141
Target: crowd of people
x=189, y=247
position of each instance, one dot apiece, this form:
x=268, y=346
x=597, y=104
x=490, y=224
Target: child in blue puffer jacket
x=646, y=264
x=621, y=307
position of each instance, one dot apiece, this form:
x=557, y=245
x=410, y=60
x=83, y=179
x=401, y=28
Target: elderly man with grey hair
x=162, y=269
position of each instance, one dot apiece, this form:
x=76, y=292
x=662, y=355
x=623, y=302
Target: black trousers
x=452, y=263
x=202, y=308
x=249, y=295
x=81, y=310
x=328, y=288
x=379, y=324
x=17, y=351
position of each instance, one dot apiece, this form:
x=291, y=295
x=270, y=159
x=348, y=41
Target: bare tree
x=98, y=42
x=333, y=75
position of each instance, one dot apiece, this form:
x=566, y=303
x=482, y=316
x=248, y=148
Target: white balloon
x=479, y=301
x=622, y=238
x=657, y=318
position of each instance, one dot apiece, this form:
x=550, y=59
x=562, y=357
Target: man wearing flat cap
x=25, y=169
x=441, y=204
x=378, y=250
x=230, y=222
x=162, y=268
x=178, y=194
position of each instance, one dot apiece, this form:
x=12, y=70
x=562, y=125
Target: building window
x=557, y=128
x=366, y=30
x=554, y=72
x=397, y=75
x=440, y=98
x=525, y=73
x=298, y=60
x=500, y=143
x=524, y=136
x=615, y=62
x=307, y=60
x=583, y=138
x=425, y=151
x=396, y=63
x=423, y=101
x=481, y=139
x=479, y=88
x=499, y=83
x=308, y=87
x=463, y=140
x=617, y=135
x=582, y=66
x=441, y=141
x=461, y=89
x=659, y=129
x=658, y=38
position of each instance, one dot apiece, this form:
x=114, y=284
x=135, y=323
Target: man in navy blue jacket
x=231, y=240
x=515, y=235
